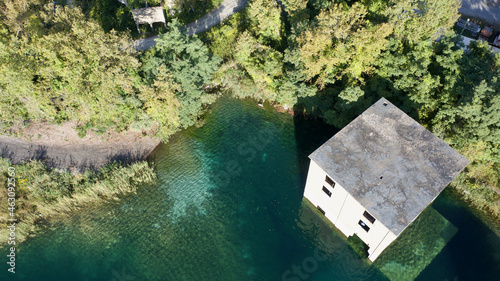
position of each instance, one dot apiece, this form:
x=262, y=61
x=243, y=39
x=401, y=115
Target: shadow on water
x=310, y=133
x=207, y=220
x=342, y=263
x=472, y=254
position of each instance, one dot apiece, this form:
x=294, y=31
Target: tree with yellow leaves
x=342, y=43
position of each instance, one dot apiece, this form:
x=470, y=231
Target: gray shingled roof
x=390, y=164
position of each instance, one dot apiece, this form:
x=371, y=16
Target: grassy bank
x=41, y=193
x=479, y=183
x=484, y=199
x=481, y=195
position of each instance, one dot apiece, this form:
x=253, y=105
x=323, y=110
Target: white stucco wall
x=345, y=212
x=377, y=250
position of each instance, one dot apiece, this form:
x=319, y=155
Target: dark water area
x=228, y=206
x=472, y=254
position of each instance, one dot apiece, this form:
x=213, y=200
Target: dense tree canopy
x=342, y=56
x=266, y=21
x=71, y=70
x=342, y=42
x=190, y=66
x=330, y=59
x=414, y=20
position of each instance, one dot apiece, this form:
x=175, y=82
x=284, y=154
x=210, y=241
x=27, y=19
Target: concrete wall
x=345, y=212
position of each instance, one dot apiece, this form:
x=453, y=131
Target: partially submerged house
x=375, y=176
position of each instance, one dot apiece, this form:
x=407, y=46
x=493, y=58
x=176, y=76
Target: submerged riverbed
x=228, y=206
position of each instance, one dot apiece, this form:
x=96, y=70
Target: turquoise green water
x=416, y=247
x=228, y=206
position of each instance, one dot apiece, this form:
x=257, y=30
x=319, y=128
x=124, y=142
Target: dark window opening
x=364, y=226
x=321, y=210
x=328, y=192
x=369, y=217
x=330, y=181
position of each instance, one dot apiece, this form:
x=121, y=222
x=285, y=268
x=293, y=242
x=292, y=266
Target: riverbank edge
x=485, y=214
x=59, y=149
x=473, y=201
x=108, y=184
x=477, y=206
x=62, y=147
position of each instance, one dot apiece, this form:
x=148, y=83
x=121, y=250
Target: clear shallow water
x=228, y=206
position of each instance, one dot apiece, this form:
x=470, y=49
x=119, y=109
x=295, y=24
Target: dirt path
x=217, y=15
x=60, y=147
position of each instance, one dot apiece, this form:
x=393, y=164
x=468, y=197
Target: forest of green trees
x=329, y=59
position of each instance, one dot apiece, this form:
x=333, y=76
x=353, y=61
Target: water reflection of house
x=375, y=176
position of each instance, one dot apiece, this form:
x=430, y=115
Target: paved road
x=217, y=15
x=488, y=10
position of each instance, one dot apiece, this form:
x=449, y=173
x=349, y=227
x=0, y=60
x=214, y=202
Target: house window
x=369, y=217
x=328, y=192
x=321, y=210
x=330, y=181
x=364, y=226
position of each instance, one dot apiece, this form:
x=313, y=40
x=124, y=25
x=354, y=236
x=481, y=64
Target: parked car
x=486, y=33
x=496, y=42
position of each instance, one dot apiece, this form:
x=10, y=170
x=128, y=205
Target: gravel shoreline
x=59, y=146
